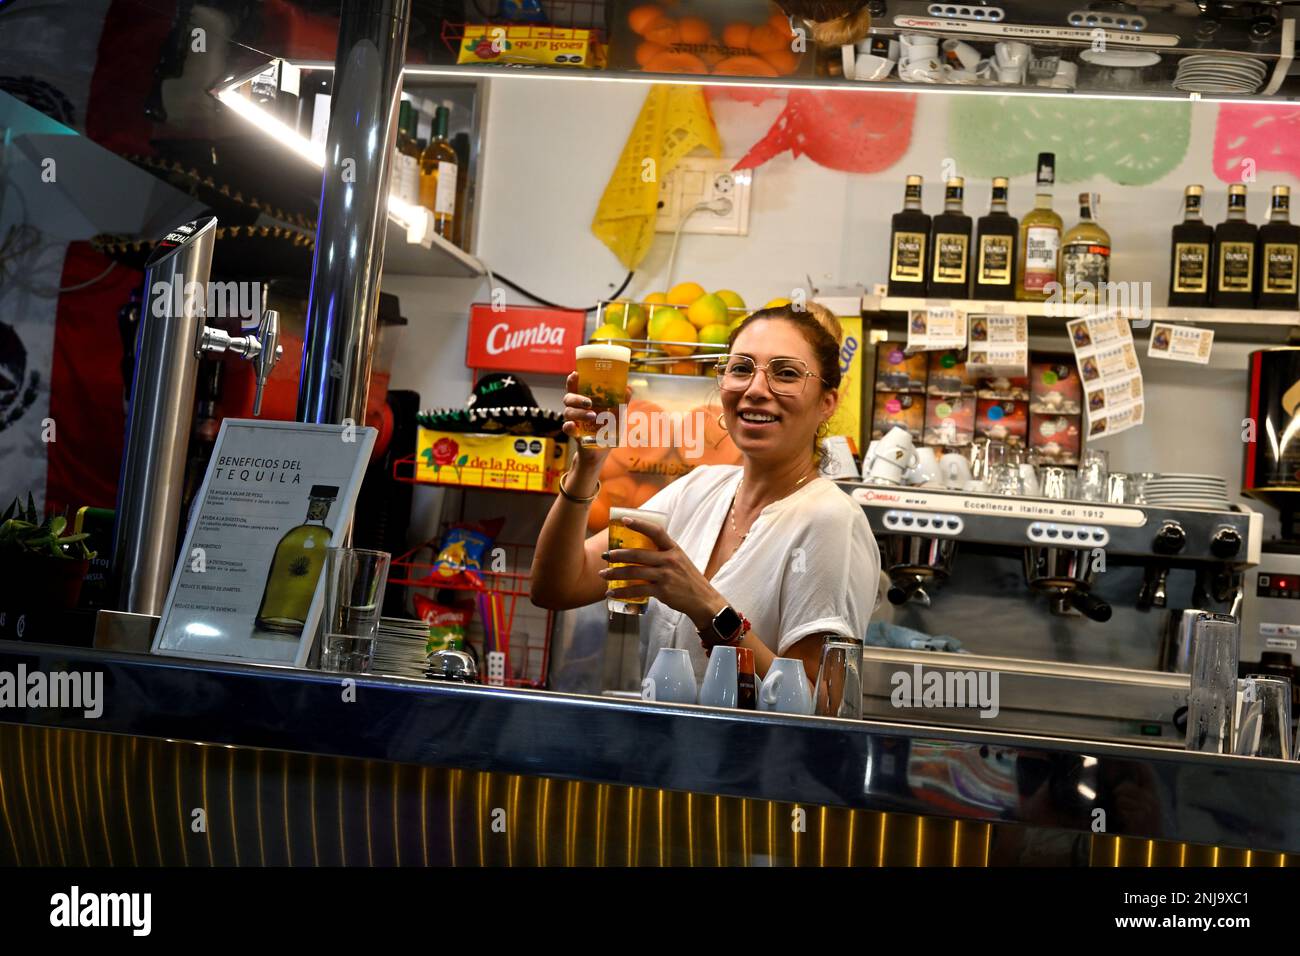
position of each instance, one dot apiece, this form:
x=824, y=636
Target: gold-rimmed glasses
x=785, y=376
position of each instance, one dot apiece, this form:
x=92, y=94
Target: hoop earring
x=722, y=421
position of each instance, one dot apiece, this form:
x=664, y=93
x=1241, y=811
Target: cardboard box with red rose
x=511, y=462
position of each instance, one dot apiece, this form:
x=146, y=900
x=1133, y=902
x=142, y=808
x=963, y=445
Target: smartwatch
x=727, y=627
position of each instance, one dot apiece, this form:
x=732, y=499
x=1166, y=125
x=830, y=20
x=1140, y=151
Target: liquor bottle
x=1085, y=256
x=1193, y=241
x=950, y=240
x=909, y=242
x=439, y=173
x=1038, y=258
x=461, y=235
x=296, y=567
x=406, y=158
x=995, y=248
x=1279, y=250
x=1234, y=255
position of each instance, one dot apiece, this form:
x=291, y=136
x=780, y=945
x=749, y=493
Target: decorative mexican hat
x=500, y=404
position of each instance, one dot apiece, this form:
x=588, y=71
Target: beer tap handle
x=268, y=335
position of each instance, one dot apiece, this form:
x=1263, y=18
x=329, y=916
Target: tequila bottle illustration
x=296, y=567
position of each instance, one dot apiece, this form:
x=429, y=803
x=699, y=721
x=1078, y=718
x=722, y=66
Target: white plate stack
x=1187, y=491
x=1219, y=73
x=400, y=647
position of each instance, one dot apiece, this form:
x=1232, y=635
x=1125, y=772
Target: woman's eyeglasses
x=785, y=376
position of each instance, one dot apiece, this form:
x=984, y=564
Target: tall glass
x=602, y=377
x=355, y=580
x=1264, y=717
x=1094, y=475
x=621, y=536
x=1213, y=691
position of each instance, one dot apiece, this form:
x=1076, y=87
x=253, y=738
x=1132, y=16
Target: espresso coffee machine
x=1070, y=602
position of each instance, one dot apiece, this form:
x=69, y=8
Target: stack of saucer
x=400, y=647
x=1219, y=73
x=1172, y=490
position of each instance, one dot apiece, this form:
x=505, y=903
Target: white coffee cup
x=1010, y=75
x=926, y=468
x=1012, y=53
x=961, y=56
x=919, y=46
x=671, y=678
x=785, y=688
x=869, y=66
x=954, y=470
x=958, y=76
x=921, y=71
x=720, y=681
x=1067, y=75
x=892, y=456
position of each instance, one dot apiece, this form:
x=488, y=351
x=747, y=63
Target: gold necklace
x=731, y=513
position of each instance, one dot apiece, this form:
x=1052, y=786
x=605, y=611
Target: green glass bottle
x=296, y=567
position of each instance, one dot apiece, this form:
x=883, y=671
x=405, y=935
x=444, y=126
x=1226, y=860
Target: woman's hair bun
x=827, y=320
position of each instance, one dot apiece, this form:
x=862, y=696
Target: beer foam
x=613, y=353
x=649, y=517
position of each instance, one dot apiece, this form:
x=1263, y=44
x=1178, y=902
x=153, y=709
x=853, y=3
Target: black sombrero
x=500, y=404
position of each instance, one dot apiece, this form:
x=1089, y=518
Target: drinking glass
x=1094, y=473
x=1215, y=642
x=1264, y=717
x=1058, y=483
x=355, y=580
x=621, y=536
x=602, y=377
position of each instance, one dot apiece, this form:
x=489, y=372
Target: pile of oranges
x=689, y=45
x=631, y=476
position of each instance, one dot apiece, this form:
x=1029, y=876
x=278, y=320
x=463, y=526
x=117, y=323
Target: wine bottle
x=1193, y=241
x=439, y=169
x=995, y=248
x=950, y=240
x=296, y=567
x=1279, y=250
x=909, y=242
x=406, y=157
x=1038, y=258
x=1234, y=255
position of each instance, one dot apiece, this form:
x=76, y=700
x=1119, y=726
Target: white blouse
x=809, y=564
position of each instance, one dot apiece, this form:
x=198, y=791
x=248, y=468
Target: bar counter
x=1117, y=790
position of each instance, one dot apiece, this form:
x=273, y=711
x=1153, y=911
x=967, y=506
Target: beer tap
x=262, y=348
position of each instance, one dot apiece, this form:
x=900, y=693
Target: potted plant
x=41, y=568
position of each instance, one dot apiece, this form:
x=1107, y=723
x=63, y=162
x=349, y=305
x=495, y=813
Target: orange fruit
x=745, y=66
x=613, y=468
x=676, y=63
x=736, y=35
x=694, y=30
x=598, y=515
x=647, y=51
x=712, y=54
x=664, y=31
x=639, y=18
x=764, y=39
x=683, y=368
x=619, y=491
x=784, y=62
x=781, y=24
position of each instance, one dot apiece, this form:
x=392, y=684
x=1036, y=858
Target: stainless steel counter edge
x=1120, y=790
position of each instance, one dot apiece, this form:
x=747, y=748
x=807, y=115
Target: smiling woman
x=768, y=554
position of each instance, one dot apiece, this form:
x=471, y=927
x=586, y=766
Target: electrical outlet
x=496, y=668
x=699, y=179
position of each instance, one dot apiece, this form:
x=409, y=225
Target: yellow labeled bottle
x=296, y=567
x=1038, y=258
x=439, y=171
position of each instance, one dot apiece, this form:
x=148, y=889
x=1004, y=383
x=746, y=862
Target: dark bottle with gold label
x=1234, y=255
x=909, y=244
x=950, y=242
x=995, y=248
x=1193, y=242
x=1279, y=249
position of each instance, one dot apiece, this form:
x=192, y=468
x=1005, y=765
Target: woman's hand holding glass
x=666, y=573
x=579, y=415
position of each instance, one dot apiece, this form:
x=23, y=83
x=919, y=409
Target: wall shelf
x=1063, y=311
x=439, y=258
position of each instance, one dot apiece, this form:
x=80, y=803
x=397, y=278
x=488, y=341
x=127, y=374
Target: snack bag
x=462, y=552
x=447, y=623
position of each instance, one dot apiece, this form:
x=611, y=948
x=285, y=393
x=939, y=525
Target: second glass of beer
x=621, y=536
x=602, y=377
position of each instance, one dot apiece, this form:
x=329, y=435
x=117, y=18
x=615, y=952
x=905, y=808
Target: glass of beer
x=621, y=536
x=602, y=377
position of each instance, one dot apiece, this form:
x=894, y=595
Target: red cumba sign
x=523, y=339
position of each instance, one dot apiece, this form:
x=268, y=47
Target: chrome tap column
x=342, y=309
x=162, y=409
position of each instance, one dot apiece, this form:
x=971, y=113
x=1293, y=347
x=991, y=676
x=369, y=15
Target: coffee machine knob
x=1170, y=539
x=1226, y=543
